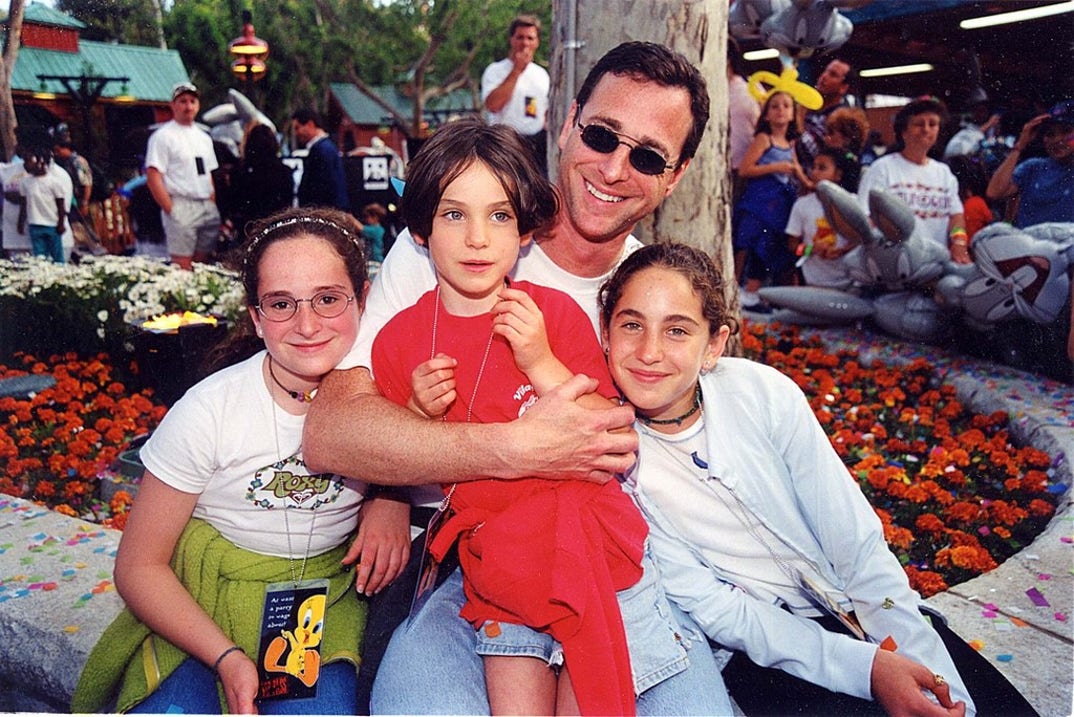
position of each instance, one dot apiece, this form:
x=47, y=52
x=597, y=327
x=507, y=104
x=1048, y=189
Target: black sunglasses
x=601, y=139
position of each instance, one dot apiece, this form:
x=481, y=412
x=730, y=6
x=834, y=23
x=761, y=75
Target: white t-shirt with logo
x=225, y=441
x=930, y=190
x=526, y=109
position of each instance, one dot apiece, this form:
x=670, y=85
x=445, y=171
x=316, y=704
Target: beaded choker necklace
x=668, y=421
x=300, y=396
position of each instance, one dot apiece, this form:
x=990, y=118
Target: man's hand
x=521, y=58
x=569, y=441
x=899, y=683
x=432, y=385
x=382, y=545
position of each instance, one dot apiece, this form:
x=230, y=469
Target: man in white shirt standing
x=515, y=89
x=179, y=164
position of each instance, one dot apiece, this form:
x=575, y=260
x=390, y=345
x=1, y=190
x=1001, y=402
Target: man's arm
x=352, y=430
x=155, y=181
x=498, y=98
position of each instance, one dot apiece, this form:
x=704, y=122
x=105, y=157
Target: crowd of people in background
x=956, y=175
x=957, y=179
x=959, y=175
x=690, y=574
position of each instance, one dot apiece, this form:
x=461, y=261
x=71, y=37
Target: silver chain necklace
x=286, y=521
x=484, y=359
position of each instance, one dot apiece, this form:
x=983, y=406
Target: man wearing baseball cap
x=179, y=163
x=1044, y=185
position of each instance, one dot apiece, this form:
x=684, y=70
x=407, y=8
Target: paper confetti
x=977, y=645
x=1005, y=657
x=1038, y=599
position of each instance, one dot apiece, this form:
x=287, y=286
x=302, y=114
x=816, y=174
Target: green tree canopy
x=421, y=45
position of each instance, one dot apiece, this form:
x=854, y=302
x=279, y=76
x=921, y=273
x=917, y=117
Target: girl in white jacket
x=759, y=530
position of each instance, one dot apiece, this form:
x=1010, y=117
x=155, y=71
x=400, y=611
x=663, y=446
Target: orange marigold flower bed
x=956, y=497
x=55, y=443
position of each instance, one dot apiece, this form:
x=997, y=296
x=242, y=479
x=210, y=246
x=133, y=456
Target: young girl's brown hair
x=456, y=146
x=695, y=265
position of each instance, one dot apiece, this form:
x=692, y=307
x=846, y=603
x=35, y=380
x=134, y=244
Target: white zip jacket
x=765, y=445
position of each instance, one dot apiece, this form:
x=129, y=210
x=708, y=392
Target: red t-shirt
x=548, y=554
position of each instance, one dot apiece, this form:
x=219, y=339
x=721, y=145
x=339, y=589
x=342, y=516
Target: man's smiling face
x=603, y=194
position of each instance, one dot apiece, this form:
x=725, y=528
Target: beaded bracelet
x=959, y=237
x=225, y=653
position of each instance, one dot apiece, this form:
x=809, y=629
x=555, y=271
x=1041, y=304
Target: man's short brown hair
x=524, y=21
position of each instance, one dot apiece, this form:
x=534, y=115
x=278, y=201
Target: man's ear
x=568, y=122
x=420, y=241
x=525, y=239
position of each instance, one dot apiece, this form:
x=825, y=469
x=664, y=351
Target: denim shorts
x=506, y=639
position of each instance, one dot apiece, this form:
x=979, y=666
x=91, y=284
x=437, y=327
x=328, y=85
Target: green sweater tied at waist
x=228, y=582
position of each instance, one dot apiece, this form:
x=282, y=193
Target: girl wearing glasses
x=773, y=176
x=229, y=524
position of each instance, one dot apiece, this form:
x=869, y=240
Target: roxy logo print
x=289, y=484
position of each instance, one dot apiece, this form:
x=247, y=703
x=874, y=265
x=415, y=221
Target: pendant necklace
x=678, y=419
x=484, y=359
x=444, y=504
x=300, y=396
x=296, y=578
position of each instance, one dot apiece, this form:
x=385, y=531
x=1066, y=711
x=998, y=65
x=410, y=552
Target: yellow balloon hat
x=786, y=81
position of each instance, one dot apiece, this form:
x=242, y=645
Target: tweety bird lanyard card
x=289, y=652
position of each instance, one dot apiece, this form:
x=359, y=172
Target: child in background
x=373, y=231
x=972, y=182
x=808, y=232
x=541, y=559
x=773, y=175
x=43, y=207
x=846, y=128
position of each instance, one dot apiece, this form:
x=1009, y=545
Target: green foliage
x=129, y=21
x=316, y=42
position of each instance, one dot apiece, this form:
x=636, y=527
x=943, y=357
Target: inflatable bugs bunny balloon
x=1015, y=272
x=797, y=28
x=228, y=121
x=893, y=254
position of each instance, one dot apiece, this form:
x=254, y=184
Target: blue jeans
x=431, y=665
x=46, y=241
x=191, y=689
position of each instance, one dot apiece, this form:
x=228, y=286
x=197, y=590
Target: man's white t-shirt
x=528, y=106
x=184, y=155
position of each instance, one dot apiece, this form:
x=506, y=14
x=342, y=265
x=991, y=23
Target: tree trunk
x=8, y=121
x=698, y=212
x=158, y=24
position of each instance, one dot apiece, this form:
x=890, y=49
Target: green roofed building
x=107, y=94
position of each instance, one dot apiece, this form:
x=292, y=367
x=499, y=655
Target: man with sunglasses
x=628, y=137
